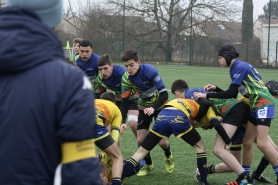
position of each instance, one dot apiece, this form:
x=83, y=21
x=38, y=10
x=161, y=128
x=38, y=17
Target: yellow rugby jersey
x=191, y=109
x=108, y=113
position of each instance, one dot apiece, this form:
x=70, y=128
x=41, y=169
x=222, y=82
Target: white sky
x=258, y=5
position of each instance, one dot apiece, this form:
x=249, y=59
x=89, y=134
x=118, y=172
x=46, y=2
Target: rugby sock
x=262, y=166
x=275, y=168
x=148, y=159
x=128, y=169
x=202, y=166
x=167, y=151
x=116, y=181
x=247, y=169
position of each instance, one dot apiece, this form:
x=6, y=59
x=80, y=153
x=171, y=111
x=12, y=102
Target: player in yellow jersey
x=107, y=113
x=174, y=118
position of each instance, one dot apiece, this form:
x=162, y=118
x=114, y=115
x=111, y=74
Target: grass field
x=184, y=155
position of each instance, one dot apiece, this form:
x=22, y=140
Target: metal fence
x=204, y=50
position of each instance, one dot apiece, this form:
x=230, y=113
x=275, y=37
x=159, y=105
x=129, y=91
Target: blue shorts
x=237, y=138
x=101, y=132
x=266, y=112
x=169, y=122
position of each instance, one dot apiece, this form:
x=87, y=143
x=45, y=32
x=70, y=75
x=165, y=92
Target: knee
x=132, y=125
x=139, y=141
x=164, y=143
x=216, y=151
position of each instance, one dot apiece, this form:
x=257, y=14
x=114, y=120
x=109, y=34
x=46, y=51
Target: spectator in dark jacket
x=47, y=114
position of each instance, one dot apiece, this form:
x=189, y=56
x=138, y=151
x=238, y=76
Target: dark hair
x=272, y=86
x=179, y=85
x=229, y=52
x=129, y=55
x=108, y=96
x=85, y=43
x=103, y=60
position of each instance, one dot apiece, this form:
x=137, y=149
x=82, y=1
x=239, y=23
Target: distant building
x=261, y=31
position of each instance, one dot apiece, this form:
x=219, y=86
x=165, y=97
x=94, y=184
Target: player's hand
x=199, y=95
x=194, y=122
x=220, y=119
x=209, y=87
x=123, y=128
x=149, y=111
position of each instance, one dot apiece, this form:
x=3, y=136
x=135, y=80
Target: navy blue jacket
x=44, y=102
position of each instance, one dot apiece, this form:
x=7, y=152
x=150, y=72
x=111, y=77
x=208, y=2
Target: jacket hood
x=26, y=41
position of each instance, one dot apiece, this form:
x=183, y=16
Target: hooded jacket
x=44, y=103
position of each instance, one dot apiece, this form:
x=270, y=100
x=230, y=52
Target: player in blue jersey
x=110, y=77
x=247, y=81
x=87, y=61
x=152, y=96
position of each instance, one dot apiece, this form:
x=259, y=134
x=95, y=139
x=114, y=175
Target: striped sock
x=247, y=169
x=202, y=165
x=128, y=169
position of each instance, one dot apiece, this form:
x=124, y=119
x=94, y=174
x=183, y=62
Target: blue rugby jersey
x=90, y=67
x=147, y=82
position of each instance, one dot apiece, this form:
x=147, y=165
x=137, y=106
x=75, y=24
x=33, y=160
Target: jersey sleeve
x=116, y=124
x=76, y=127
x=98, y=86
x=238, y=75
x=157, y=81
x=126, y=86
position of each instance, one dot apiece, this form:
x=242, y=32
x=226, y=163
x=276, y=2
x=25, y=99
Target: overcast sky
x=258, y=5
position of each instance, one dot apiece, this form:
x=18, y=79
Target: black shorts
x=132, y=104
x=238, y=115
x=144, y=121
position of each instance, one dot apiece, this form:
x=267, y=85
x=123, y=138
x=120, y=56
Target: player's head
x=75, y=44
x=105, y=66
x=85, y=50
x=49, y=11
x=131, y=62
x=272, y=86
x=108, y=96
x=178, y=88
x=228, y=53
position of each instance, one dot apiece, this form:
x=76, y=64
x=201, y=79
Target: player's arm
x=79, y=163
x=203, y=109
x=230, y=93
x=116, y=124
x=217, y=126
x=98, y=85
x=126, y=91
x=159, y=85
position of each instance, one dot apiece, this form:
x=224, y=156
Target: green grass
x=184, y=155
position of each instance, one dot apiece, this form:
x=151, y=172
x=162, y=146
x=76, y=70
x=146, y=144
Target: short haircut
x=129, y=55
x=108, y=96
x=85, y=43
x=77, y=40
x=179, y=85
x=104, y=59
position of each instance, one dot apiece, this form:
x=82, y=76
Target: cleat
x=198, y=176
x=260, y=178
x=169, y=167
x=145, y=170
x=232, y=183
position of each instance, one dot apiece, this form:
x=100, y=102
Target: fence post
x=246, y=51
x=142, y=50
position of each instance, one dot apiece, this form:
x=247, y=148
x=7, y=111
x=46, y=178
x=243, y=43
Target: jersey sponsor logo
x=100, y=132
x=145, y=82
x=147, y=94
x=262, y=113
x=118, y=84
x=157, y=79
x=242, y=90
x=92, y=78
x=86, y=83
x=236, y=75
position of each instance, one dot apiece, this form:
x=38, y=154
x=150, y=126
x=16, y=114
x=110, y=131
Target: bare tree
x=168, y=18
